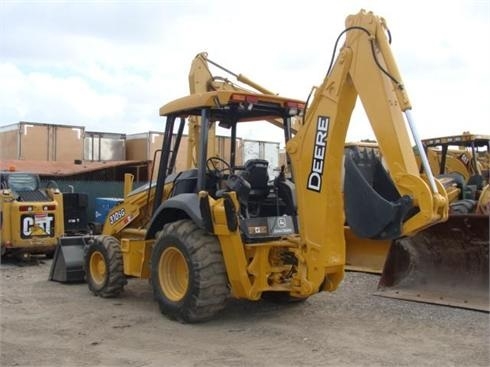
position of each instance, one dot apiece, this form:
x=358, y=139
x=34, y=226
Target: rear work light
x=49, y=207
x=244, y=98
x=25, y=208
x=292, y=104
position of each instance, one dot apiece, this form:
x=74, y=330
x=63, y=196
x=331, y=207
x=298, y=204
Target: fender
x=175, y=208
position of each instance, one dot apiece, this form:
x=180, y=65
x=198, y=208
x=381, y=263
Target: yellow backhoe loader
x=448, y=263
x=136, y=206
x=362, y=254
x=221, y=230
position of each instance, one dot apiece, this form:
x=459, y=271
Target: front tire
x=103, y=265
x=188, y=275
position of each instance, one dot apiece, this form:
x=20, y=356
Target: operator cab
x=267, y=208
x=461, y=161
x=25, y=186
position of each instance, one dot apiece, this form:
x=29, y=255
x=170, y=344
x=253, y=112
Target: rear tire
x=103, y=265
x=188, y=275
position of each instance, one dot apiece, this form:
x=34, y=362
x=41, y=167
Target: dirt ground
x=45, y=323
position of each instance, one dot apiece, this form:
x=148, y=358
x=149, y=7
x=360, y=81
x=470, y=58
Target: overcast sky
x=110, y=65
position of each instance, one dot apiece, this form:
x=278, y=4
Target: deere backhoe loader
x=136, y=208
x=362, y=254
x=222, y=230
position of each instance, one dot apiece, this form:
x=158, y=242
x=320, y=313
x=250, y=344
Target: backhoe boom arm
x=365, y=67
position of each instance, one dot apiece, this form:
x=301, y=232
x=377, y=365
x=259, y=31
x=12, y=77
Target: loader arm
x=202, y=80
x=365, y=67
x=134, y=210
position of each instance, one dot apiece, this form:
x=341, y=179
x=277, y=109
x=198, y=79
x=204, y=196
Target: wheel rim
x=173, y=274
x=98, y=268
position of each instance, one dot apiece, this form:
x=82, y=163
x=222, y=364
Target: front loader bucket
x=445, y=264
x=67, y=265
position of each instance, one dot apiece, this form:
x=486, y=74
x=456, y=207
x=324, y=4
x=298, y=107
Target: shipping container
x=99, y=146
x=143, y=146
x=42, y=142
x=253, y=149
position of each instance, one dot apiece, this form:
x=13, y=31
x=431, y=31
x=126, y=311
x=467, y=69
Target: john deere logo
x=281, y=223
x=316, y=173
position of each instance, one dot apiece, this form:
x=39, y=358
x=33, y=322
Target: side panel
x=67, y=143
x=104, y=147
x=34, y=142
x=137, y=147
x=9, y=144
x=136, y=257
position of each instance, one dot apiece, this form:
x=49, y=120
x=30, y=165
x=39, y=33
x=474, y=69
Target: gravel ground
x=46, y=323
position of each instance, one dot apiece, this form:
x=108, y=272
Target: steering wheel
x=212, y=165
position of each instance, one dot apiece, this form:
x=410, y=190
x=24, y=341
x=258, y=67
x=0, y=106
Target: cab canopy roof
x=465, y=139
x=234, y=106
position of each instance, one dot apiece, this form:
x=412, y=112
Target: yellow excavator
x=221, y=230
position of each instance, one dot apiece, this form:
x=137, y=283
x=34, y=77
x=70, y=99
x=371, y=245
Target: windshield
x=22, y=182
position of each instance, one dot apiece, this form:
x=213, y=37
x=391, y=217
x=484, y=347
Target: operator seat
x=255, y=172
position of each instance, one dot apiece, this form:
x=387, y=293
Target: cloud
x=110, y=65
x=70, y=99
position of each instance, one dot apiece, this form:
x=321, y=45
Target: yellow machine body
x=221, y=230
x=31, y=218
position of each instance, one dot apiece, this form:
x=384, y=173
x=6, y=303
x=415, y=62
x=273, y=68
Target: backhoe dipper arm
x=365, y=67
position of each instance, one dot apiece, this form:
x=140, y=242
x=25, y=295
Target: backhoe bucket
x=67, y=265
x=445, y=264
